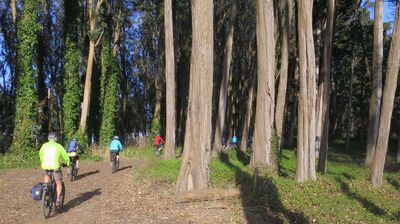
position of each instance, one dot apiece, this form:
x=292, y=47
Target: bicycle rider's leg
x=111, y=155
x=77, y=162
x=46, y=178
x=58, y=178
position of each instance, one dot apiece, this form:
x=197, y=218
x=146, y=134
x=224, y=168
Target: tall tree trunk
x=194, y=172
x=170, y=79
x=281, y=98
x=306, y=126
x=263, y=153
x=246, y=126
x=223, y=89
x=378, y=161
x=376, y=92
x=89, y=68
x=326, y=87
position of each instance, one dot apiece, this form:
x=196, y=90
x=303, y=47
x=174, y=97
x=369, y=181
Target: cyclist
x=72, y=150
x=234, y=140
x=115, y=147
x=158, y=141
x=49, y=155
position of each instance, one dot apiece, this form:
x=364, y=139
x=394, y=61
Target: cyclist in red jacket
x=158, y=141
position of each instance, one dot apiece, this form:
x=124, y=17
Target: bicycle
x=158, y=148
x=114, y=162
x=72, y=171
x=49, y=195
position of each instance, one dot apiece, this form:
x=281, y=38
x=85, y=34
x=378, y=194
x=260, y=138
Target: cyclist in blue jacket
x=72, y=150
x=115, y=147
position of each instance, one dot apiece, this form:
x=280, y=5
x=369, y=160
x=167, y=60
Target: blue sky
x=389, y=12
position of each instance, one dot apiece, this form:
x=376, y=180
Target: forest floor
x=143, y=191
x=97, y=196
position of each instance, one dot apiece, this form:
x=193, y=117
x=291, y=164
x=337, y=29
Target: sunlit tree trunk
x=14, y=10
x=223, y=89
x=89, y=69
x=263, y=153
x=306, y=124
x=170, y=81
x=376, y=91
x=194, y=172
x=378, y=161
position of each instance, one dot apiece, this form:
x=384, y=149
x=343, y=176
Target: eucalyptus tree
x=388, y=99
x=25, y=125
x=376, y=87
x=194, y=172
x=223, y=89
x=170, y=81
x=94, y=36
x=263, y=152
x=306, y=115
x=325, y=87
x=72, y=61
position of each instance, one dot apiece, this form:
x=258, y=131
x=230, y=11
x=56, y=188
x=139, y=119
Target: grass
x=343, y=195
x=11, y=161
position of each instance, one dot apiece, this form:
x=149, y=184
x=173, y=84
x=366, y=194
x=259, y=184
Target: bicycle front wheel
x=47, y=203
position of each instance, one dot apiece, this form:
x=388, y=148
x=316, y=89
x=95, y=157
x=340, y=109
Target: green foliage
x=72, y=89
x=26, y=129
x=72, y=85
x=109, y=97
x=27, y=159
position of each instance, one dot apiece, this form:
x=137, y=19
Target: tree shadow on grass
x=395, y=183
x=370, y=206
x=80, y=176
x=261, y=199
x=81, y=198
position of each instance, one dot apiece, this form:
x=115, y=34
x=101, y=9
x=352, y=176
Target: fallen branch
x=206, y=195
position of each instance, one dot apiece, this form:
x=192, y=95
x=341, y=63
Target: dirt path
x=98, y=196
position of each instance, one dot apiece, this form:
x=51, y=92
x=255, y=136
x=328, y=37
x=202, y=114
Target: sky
x=389, y=12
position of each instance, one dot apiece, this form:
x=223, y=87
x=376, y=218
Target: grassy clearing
x=343, y=195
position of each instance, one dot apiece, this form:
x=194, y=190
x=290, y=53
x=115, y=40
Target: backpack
x=72, y=146
x=36, y=191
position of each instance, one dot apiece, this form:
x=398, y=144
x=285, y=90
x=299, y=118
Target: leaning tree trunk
x=223, y=89
x=378, y=161
x=306, y=126
x=194, y=172
x=376, y=93
x=89, y=68
x=170, y=81
x=326, y=87
x=281, y=98
x=263, y=153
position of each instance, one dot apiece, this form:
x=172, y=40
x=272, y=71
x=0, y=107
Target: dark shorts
x=57, y=174
x=113, y=152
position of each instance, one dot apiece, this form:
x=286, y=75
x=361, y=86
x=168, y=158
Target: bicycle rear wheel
x=71, y=172
x=47, y=203
x=114, y=165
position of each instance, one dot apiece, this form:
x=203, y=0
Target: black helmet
x=52, y=136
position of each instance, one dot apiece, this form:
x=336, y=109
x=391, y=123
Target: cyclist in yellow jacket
x=50, y=154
